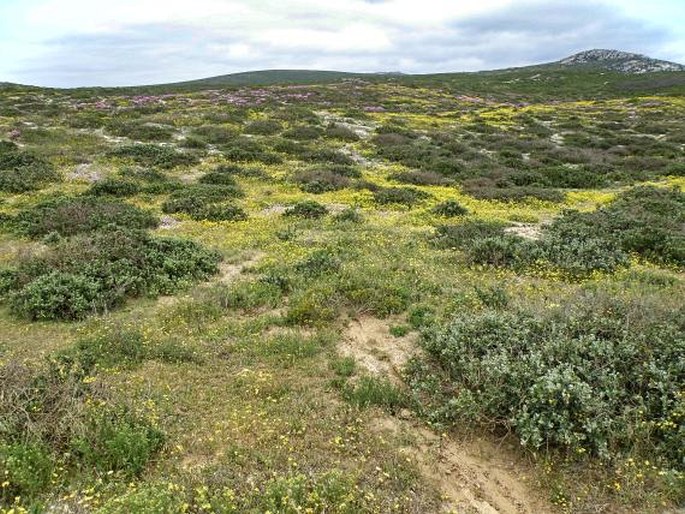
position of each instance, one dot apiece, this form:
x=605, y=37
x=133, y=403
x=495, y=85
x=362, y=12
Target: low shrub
x=450, y=209
x=95, y=272
x=154, y=156
x=598, y=375
x=263, y=127
x=400, y=195
x=140, y=131
x=22, y=171
x=306, y=209
x=341, y=132
x=420, y=178
x=321, y=180
x=303, y=133
x=467, y=233
x=68, y=216
x=114, y=187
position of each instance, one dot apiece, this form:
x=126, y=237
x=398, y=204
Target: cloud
x=132, y=42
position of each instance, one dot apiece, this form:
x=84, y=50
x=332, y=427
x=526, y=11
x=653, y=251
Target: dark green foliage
x=599, y=375
x=341, y=132
x=207, y=201
x=645, y=220
x=214, y=134
x=244, y=149
x=303, y=133
x=74, y=215
x=320, y=180
x=400, y=195
x=22, y=171
x=218, y=178
x=140, y=131
x=318, y=263
x=450, y=209
x=328, y=156
x=27, y=470
x=95, y=272
x=349, y=215
x=502, y=251
x=219, y=212
x=239, y=171
x=117, y=441
x=421, y=178
x=306, y=209
x=154, y=156
x=485, y=189
x=114, y=187
x=467, y=233
x=263, y=127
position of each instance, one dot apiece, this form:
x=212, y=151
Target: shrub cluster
x=97, y=271
x=645, y=221
x=208, y=201
x=56, y=419
x=22, y=171
x=400, y=195
x=600, y=375
x=323, y=179
x=154, y=156
x=68, y=216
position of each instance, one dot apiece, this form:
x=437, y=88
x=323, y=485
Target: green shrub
x=599, y=375
x=26, y=471
x=244, y=149
x=118, y=441
x=263, y=127
x=74, y=215
x=502, y=251
x=317, y=263
x=303, y=133
x=218, y=178
x=400, y=195
x=95, y=272
x=306, y=209
x=321, y=180
x=327, y=156
x=58, y=295
x=153, y=155
x=420, y=178
x=349, y=215
x=214, y=134
x=114, y=187
x=467, y=233
x=140, y=131
x=22, y=171
x=206, y=201
x=336, y=131
x=450, y=209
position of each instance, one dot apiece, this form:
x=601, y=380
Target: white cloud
x=80, y=42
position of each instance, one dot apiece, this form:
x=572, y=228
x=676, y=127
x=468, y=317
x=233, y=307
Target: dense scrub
x=95, y=272
x=597, y=375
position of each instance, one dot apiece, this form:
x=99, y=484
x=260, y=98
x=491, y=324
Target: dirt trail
x=474, y=477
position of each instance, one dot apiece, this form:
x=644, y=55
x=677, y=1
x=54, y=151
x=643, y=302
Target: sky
x=70, y=43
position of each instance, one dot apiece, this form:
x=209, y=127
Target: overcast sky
x=127, y=42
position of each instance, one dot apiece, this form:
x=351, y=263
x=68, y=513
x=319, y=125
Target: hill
x=622, y=62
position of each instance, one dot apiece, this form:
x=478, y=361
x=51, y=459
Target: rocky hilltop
x=624, y=62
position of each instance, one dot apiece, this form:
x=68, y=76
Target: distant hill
x=271, y=77
x=622, y=62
